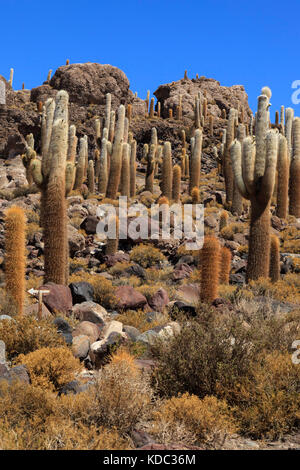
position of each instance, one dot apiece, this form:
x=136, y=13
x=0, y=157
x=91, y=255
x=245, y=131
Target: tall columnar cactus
x=225, y=262
x=289, y=116
x=150, y=168
x=210, y=269
x=91, y=177
x=195, y=195
x=103, y=173
x=294, y=189
x=116, y=156
x=167, y=174
x=151, y=113
x=274, y=259
x=158, y=109
x=227, y=167
x=126, y=130
x=52, y=175
x=112, y=244
x=107, y=111
x=147, y=101
x=237, y=199
x=80, y=167
x=15, y=258
x=11, y=77
x=129, y=111
x=125, y=174
x=283, y=179
x=195, y=162
x=282, y=119
x=176, y=183
x=112, y=123
x=132, y=168
x=255, y=169
x=72, y=144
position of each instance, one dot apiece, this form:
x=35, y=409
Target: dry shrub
x=267, y=401
x=35, y=419
x=202, y=354
x=138, y=319
x=50, y=368
x=204, y=422
x=26, y=334
x=286, y=289
x=214, y=350
x=146, y=255
x=122, y=396
x=228, y=231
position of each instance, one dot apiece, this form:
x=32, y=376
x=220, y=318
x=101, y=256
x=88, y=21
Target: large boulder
x=81, y=346
x=159, y=299
x=90, y=82
x=128, y=298
x=91, y=312
x=87, y=328
x=59, y=299
x=82, y=292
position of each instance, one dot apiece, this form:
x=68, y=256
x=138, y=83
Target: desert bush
x=205, y=422
x=31, y=229
x=121, y=397
x=50, y=368
x=32, y=216
x=146, y=255
x=27, y=334
x=228, y=231
x=202, y=354
x=213, y=351
x=138, y=319
x=267, y=400
x=35, y=419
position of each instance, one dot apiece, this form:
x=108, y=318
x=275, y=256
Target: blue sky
x=154, y=41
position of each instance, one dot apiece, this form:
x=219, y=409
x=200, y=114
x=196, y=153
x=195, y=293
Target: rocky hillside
x=155, y=345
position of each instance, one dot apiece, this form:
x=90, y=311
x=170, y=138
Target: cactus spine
x=255, y=178
x=15, y=259
x=210, y=263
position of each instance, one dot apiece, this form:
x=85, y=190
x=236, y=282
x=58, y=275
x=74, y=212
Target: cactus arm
x=236, y=159
x=268, y=180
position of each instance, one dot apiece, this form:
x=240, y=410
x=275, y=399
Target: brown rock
x=182, y=271
x=159, y=300
x=89, y=329
x=59, y=300
x=128, y=298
